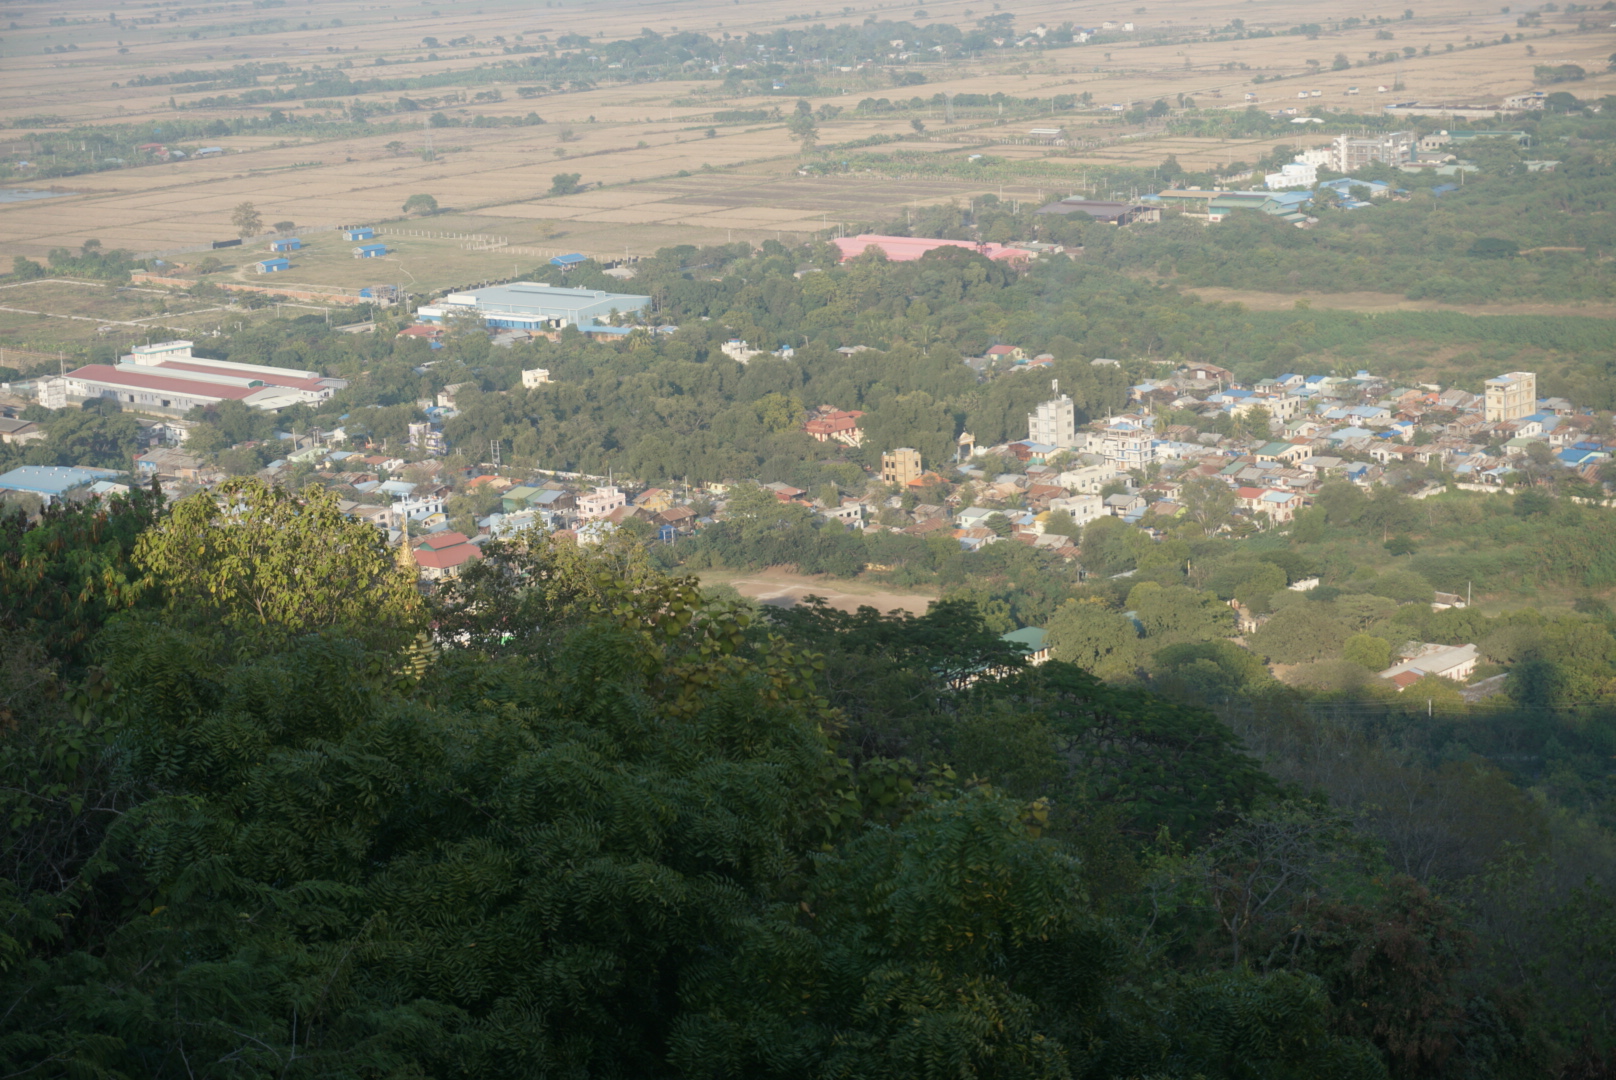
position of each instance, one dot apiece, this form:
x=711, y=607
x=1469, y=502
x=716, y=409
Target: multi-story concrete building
x=1352, y=152
x=1054, y=423
x=1124, y=445
x=1510, y=396
x=900, y=466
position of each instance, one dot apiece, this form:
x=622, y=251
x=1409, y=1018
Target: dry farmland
x=654, y=174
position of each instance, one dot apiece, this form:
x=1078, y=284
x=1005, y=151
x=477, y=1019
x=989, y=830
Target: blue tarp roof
x=569, y=260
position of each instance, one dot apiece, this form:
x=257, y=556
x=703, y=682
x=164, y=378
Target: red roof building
x=910, y=248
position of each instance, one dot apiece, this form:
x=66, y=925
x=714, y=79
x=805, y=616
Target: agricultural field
x=42, y=317
x=660, y=165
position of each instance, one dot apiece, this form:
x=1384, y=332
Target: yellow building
x=1511, y=396
x=900, y=466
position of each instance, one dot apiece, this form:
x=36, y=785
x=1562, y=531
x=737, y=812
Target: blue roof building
x=566, y=262
x=363, y=233
x=272, y=266
x=531, y=305
x=370, y=251
x=51, y=482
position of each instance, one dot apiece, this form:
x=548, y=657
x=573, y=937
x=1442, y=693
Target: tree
x=271, y=564
x=1105, y=643
x=246, y=219
x=918, y=125
x=565, y=183
x=1176, y=613
x=802, y=128
x=25, y=268
x=425, y=204
x=1208, y=501
x=1300, y=633
x=1367, y=651
x=285, y=226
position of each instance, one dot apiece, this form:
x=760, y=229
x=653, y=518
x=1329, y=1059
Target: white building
x=1510, y=396
x=1054, y=423
x=1124, y=444
x=600, y=502
x=535, y=377
x=1294, y=175
x=166, y=377
x=1081, y=508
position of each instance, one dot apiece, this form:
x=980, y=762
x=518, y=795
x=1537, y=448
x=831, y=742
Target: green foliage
x=261, y=562
x=426, y=204
x=1105, y=643
x=565, y=183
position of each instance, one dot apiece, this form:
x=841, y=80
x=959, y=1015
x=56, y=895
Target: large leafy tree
x=259, y=560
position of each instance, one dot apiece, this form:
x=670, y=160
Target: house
x=1006, y=352
x=290, y=243
x=836, y=425
x=600, y=502
x=653, y=500
x=370, y=251
x=1032, y=640
x=1455, y=662
x=169, y=463
x=272, y=266
x=444, y=555
x=1122, y=504
x=362, y=233
x=533, y=376
x=17, y=432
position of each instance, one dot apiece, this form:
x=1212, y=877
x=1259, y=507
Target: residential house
x=600, y=502
x=444, y=555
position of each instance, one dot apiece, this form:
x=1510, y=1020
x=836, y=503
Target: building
x=1103, y=211
x=1352, y=152
x=165, y=462
x=52, y=482
x=362, y=233
x=530, y=305
x=1124, y=445
x=900, y=466
x=1531, y=99
x=1455, y=662
x=910, y=248
x=370, y=251
x=837, y=425
x=535, y=377
x=17, y=432
x=290, y=243
x=1510, y=396
x=600, y=503
x=1032, y=640
x=1296, y=174
x=1054, y=423
x=444, y=555
x=166, y=377
x=272, y=266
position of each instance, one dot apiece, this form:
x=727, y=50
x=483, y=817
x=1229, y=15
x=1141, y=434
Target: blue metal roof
x=51, y=480
x=569, y=260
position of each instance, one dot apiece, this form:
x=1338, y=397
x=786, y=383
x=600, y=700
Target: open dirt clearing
x=782, y=588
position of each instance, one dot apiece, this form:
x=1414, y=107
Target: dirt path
x=782, y=588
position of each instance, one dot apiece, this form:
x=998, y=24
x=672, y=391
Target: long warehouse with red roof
x=166, y=377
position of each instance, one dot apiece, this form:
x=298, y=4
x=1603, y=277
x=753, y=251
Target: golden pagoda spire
x=406, y=554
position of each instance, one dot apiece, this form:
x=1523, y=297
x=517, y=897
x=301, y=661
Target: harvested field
x=782, y=588
x=1381, y=302
x=636, y=138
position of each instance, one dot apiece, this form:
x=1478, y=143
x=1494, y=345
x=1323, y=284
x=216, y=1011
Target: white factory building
x=166, y=377
x=531, y=305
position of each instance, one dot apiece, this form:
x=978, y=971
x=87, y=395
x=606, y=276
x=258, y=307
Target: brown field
x=632, y=138
x=782, y=588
